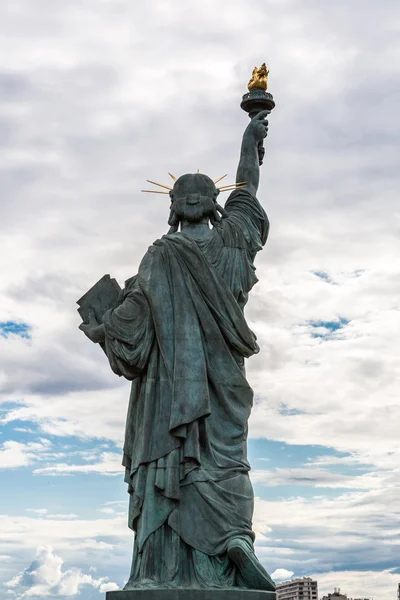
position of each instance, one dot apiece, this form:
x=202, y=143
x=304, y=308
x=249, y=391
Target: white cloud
x=19, y=532
x=92, y=545
x=17, y=454
x=281, y=574
x=318, y=478
x=38, y=511
x=101, y=413
x=341, y=391
x=110, y=464
x=360, y=584
x=46, y=577
x=344, y=514
x=320, y=533
x=43, y=512
x=61, y=516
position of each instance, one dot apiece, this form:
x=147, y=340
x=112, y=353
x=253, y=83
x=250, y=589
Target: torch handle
x=255, y=101
x=261, y=152
x=261, y=149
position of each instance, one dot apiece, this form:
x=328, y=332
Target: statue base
x=191, y=594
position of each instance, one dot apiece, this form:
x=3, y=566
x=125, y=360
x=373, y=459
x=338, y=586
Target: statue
x=177, y=331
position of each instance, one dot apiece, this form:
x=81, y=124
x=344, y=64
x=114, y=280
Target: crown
x=222, y=188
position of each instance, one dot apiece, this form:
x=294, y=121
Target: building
x=338, y=596
x=335, y=596
x=398, y=591
x=298, y=589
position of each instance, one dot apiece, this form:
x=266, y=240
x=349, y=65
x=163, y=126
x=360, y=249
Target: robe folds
x=179, y=334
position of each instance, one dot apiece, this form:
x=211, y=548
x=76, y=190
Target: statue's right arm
x=248, y=168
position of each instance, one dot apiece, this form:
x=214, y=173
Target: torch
x=258, y=99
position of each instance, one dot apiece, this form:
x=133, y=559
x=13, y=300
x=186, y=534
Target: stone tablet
x=101, y=297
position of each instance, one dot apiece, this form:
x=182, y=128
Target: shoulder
x=150, y=262
x=232, y=232
x=246, y=212
x=160, y=253
x=242, y=201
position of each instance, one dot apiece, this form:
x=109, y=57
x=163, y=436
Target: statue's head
x=194, y=197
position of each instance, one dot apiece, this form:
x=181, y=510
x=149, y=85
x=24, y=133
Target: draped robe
x=179, y=334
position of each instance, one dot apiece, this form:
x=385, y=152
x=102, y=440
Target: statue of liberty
x=178, y=333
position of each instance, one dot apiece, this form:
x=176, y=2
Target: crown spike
x=172, y=176
x=239, y=184
x=159, y=184
x=219, y=178
x=233, y=187
x=155, y=192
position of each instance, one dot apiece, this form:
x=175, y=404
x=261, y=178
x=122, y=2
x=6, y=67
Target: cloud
x=105, y=543
x=321, y=533
x=317, y=478
x=46, y=577
x=110, y=464
x=84, y=414
x=38, y=511
x=281, y=574
x=107, y=510
x=360, y=584
x=16, y=454
x=22, y=532
x=340, y=388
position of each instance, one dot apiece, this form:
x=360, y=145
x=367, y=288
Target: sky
x=96, y=96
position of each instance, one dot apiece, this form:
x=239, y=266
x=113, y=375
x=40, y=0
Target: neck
x=196, y=229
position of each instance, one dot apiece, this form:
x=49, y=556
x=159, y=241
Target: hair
x=197, y=183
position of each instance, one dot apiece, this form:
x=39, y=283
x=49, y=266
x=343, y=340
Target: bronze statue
x=178, y=332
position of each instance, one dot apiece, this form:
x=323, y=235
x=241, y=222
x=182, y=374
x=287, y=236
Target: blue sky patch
x=286, y=410
x=325, y=329
x=324, y=276
x=8, y=328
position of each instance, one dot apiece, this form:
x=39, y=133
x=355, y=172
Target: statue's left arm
x=94, y=330
x=126, y=332
x=249, y=169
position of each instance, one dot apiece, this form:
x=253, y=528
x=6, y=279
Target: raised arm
x=249, y=169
